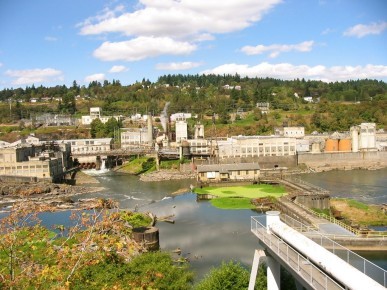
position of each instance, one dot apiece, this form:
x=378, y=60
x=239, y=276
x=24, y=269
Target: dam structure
x=315, y=261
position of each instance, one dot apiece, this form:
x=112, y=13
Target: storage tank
x=331, y=145
x=345, y=145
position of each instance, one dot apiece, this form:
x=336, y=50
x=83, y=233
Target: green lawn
x=239, y=197
x=232, y=203
x=249, y=191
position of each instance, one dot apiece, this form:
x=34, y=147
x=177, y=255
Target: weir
x=312, y=265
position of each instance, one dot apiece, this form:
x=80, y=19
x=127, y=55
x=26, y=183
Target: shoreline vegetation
x=63, y=196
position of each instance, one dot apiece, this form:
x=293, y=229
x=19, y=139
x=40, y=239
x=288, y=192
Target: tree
x=229, y=275
x=68, y=103
x=97, y=129
x=110, y=127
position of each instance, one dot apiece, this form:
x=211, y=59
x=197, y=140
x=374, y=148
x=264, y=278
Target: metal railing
x=368, y=268
x=311, y=187
x=364, y=234
x=311, y=274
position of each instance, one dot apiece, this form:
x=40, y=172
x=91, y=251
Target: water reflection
x=368, y=186
x=206, y=235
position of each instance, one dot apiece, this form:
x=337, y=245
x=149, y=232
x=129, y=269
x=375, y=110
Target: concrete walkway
x=328, y=228
x=323, y=226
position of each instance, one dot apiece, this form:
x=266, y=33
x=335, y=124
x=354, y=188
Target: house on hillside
x=228, y=172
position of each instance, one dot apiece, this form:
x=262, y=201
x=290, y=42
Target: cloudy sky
x=53, y=42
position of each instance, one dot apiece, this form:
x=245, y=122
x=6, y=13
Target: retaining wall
x=344, y=160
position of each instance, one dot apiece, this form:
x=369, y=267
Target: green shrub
x=148, y=165
x=229, y=275
x=136, y=219
x=153, y=270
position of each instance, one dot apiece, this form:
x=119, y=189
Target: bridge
x=315, y=264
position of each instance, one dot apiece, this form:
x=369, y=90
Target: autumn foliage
x=97, y=243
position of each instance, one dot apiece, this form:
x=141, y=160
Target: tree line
x=208, y=95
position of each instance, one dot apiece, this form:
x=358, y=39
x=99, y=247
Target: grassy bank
x=360, y=213
x=139, y=165
x=239, y=197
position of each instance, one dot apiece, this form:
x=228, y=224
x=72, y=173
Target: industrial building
x=135, y=136
x=96, y=113
x=294, y=132
x=181, y=130
x=82, y=146
x=43, y=162
x=228, y=172
x=256, y=146
x=363, y=137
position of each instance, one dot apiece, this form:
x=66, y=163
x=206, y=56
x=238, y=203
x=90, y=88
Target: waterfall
x=103, y=165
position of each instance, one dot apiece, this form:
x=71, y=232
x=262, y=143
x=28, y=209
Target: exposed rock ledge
x=166, y=175
x=50, y=195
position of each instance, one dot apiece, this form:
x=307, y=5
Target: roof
x=227, y=167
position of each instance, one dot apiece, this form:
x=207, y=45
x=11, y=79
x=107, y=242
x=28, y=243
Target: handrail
x=312, y=186
x=342, y=252
x=311, y=274
x=343, y=225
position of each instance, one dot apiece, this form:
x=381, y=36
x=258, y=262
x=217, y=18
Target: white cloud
x=50, y=38
x=178, y=65
x=289, y=71
x=361, y=30
x=327, y=31
x=34, y=76
x=1, y=64
x=182, y=19
x=140, y=48
x=118, y=69
x=153, y=27
x=275, y=49
x=95, y=77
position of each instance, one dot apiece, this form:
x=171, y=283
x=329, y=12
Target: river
x=207, y=235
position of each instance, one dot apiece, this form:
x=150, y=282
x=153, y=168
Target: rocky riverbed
x=50, y=196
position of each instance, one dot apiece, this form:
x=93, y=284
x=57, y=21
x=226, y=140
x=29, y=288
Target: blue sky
x=54, y=42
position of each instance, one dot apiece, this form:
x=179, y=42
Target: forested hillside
x=232, y=99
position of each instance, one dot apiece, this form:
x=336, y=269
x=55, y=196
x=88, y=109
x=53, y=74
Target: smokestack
x=150, y=130
x=164, y=118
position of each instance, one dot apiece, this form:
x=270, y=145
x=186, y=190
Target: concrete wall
x=265, y=162
x=314, y=201
x=344, y=160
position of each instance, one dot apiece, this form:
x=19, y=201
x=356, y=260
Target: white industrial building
x=96, y=113
x=134, y=137
x=179, y=116
x=255, y=146
x=294, y=132
x=82, y=146
x=181, y=130
x=363, y=137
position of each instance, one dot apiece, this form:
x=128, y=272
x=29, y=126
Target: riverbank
x=50, y=196
x=168, y=174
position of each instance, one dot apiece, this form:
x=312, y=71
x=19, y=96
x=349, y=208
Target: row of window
x=238, y=172
x=83, y=149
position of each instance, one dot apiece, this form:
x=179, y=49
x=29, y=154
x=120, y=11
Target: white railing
x=311, y=274
x=364, y=234
x=368, y=268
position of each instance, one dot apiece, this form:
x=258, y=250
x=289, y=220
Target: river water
x=207, y=235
